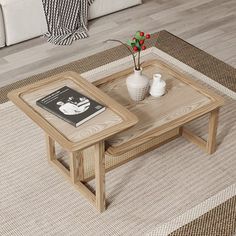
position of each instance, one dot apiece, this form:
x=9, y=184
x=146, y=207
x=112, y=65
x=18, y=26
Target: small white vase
x=137, y=85
x=158, y=86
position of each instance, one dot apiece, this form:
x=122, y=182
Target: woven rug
x=174, y=189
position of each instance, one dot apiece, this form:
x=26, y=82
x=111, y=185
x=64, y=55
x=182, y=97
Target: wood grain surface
x=90, y=127
x=184, y=101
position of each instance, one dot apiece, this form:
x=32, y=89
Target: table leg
x=73, y=167
x=50, y=148
x=76, y=166
x=76, y=172
x=100, y=176
x=212, y=131
x=80, y=159
x=208, y=145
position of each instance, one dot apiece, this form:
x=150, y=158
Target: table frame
x=208, y=145
x=76, y=173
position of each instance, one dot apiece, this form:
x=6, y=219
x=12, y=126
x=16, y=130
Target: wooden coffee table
x=114, y=119
x=160, y=120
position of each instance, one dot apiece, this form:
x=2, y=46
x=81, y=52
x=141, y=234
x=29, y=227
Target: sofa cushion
x=2, y=30
x=24, y=19
x=104, y=7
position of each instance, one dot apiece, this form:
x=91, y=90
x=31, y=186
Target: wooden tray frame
x=128, y=118
x=216, y=102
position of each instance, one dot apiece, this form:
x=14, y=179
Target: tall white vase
x=137, y=85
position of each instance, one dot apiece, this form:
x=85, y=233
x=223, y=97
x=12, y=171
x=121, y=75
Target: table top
x=185, y=100
x=114, y=119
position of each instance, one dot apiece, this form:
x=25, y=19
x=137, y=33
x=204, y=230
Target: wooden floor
x=208, y=24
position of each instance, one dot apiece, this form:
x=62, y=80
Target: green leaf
x=131, y=43
x=138, y=46
x=137, y=36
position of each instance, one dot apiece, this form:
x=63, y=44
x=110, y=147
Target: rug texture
x=144, y=196
x=219, y=221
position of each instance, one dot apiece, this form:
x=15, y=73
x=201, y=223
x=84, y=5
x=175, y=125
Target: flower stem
x=115, y=40
x=138, y=60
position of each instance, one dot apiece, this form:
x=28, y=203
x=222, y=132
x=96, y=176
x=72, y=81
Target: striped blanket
x=66, y=19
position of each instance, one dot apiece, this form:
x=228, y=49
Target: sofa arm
x=2, y=30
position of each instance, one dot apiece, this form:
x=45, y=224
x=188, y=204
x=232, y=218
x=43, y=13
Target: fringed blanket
x=66, y=19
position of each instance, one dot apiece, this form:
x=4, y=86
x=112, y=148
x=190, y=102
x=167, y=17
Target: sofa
x=21, y=20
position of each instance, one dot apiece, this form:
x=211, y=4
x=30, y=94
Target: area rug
x=176, y=189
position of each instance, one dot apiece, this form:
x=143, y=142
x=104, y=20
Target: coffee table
x=114, y=119
x=160, y=120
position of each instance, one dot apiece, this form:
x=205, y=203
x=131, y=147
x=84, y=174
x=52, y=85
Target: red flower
x=143, y=47
x=135, y=48
x=148, y=36
x=141, y=33
x=141, y=42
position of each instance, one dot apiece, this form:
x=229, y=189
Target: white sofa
x=24, y=19
x=2, y=31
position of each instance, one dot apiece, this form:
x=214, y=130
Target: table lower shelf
x=112, y=162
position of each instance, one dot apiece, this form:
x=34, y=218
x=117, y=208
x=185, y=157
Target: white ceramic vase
x=137, y=85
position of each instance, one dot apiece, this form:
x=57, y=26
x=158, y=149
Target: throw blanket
x=66, y=19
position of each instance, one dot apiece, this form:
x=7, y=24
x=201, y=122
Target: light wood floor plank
x=208, y=24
